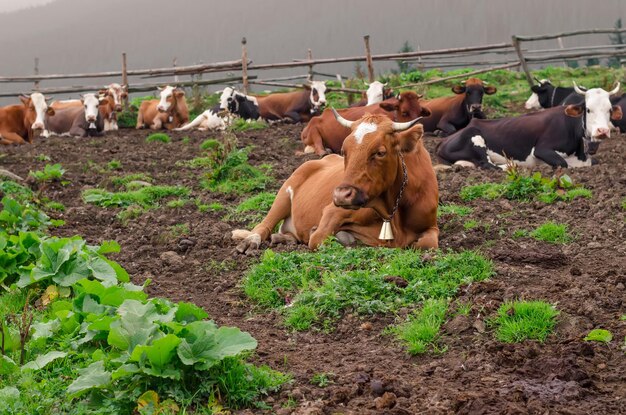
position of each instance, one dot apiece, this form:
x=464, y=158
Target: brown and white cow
x=385, y=173
x=78, y=121
x=325, y=132
x=116, y=94
x=453, y=113
x=298, y=106
x=169, y=112
x=22, y=122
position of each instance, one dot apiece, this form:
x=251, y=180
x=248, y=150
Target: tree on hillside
x=405, y=67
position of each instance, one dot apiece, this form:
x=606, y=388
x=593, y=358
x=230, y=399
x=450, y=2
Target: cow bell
x=386, y=234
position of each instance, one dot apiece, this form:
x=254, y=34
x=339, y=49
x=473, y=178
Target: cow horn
x=402, y=126
x=615, y=90
x=578, y=90
x=341, y=120
x=537, y=80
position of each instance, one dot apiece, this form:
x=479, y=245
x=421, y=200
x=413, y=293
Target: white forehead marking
x=362, y=129
x=478, y=141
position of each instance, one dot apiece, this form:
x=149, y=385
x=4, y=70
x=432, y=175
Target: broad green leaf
x=7, y=365
x=61, y=305
x=45, y=330
x=11, y=339
x=93, y=376
x=108, y=247
x=9, y=394
x=91, y=306
x=135, y=327
x=168, y=372
x=72, y=271
x=41, y=361
x=120, y=273
x=100, y=323
x=115, y=296
x=188, y=312
x=125, y=370
x=159, y=353
x=102, y=271
x=205, y=346
x=92, y=287
x=599, y=335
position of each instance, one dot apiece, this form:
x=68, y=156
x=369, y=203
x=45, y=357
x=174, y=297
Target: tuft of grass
x=521, y=320
x=143, y=198
x=470, y=224
x=239, y=124
x=320, y=286
x=59, y=207
x=456, y=210
x=42, y=157
x=210, y=144
x=624, y=203
x=421, y=330
x=158, y=137
x=489, y=191
x=120, y=181
x=233, y=174
x=252, y=209
x=185, y=140
x=554, y=233
x=520, y=233
x=322, y=379
x=114, y=165
x=176, y=203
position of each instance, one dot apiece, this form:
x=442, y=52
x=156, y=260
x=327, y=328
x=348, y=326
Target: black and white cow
x=557, y=136
x=546, y=95
x=233, y=101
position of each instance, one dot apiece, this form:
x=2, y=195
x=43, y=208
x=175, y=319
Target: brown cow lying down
x=324, y=132
x=22, y=122
x=453, y=113
x=169, y=112
x=385, y=173
x=298, y=106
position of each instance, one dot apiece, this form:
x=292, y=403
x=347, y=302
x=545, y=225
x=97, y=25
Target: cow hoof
x=282, y=238
x=239, y=234
x=251, y=243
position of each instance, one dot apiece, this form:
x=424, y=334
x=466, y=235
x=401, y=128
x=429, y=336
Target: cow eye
x=381, y=154
x=405, y=114
x=588, y=111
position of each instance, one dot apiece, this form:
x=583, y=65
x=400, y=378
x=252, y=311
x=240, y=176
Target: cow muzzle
x=118, y=108
x=161, y=109
x=601, y=134
x=91, y=119
x=475, y=108
x=38, y=126
x=349, y=197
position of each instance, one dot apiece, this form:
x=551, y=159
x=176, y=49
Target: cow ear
x=574, y=110
x=124, y=95
x=50, y=111
x=103, y=92
x=180, y=93
x=25, y=100
x=407, y=140
x=425, y=112
x=307, y=87
x=490, y=90
x=458, y=89
x=389, y=105
x=616, y=113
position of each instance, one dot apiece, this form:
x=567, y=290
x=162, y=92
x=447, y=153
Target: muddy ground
x=585, y=279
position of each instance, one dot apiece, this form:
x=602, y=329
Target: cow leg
x=156, y=124
x=446, y=128
x=140, y=123
x=428, y=240
x=281, y=209
x=550, y=156
x=332, y=219
x=11, y=138
x=78, y=131
x=294, y=116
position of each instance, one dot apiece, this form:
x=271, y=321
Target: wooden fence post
x=36, y=73
x=522, y=61
x=368, y=57
x=244, y=65
x=125, y=79
x=309, y=57
x=174, y=66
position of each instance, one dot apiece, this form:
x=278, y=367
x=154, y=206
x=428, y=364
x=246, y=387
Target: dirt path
x=476, y=375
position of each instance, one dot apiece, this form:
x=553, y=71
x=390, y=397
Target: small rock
x=397, y=280
x=479, y=325
x=619, y=286
x=388, y=400
x=575, y=271
x=601, y=366
x=172, y=259
x=366, y=326
x=594, y=245
x=376, y=387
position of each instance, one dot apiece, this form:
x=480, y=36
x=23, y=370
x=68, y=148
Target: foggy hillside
x=88, y=35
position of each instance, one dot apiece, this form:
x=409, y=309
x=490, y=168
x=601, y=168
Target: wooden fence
x=507, y=55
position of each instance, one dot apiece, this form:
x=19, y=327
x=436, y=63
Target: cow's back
x=275, y=106
x=64, y=118
x=438, y=108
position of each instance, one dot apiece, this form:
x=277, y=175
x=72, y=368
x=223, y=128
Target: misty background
x=75, y=36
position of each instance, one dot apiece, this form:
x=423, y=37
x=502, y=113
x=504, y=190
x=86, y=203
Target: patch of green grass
x=520, y=233
x=463, y=309
x=114, y=165
x=624, y=203
x=456, y=210
x=554, y=233
x=233, y=174
x=146, y=197
x=176, y=203
x=120, y=181
x=158, y=137
x=130, y=213
x=320, y=285
x=239, y=124
x=421, y=330
x=470, y=224
x=521, y=320
x=210, y=144
x=180, y=229
x=216, y=206
x=518, y=186
x=185, y=140
x=322, y=379
x=59, y=207
x=42, y=157
x=252, y=209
